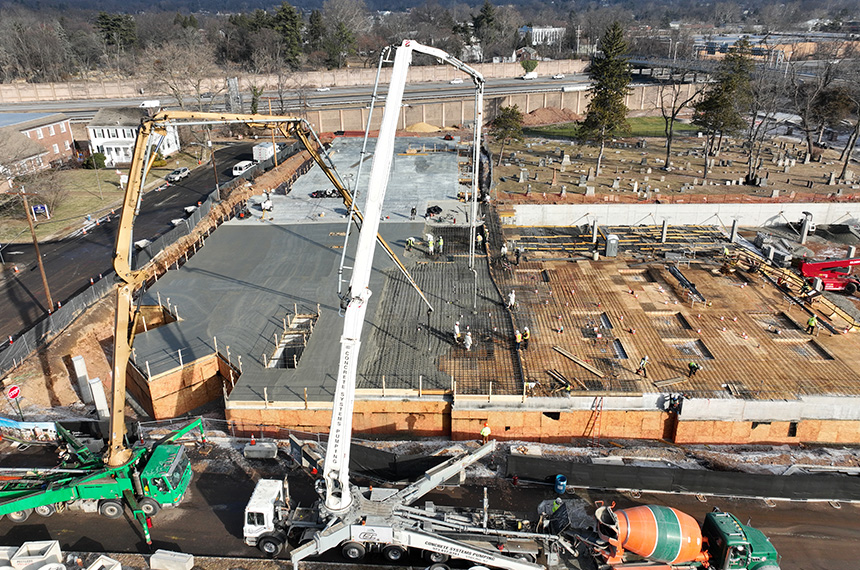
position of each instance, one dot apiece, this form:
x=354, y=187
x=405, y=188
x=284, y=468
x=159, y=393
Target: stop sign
x=14, y=392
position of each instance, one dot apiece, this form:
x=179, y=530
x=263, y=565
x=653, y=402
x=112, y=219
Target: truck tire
x=393, y=553
x=20, y=516
x=110, y=509
x=149, y=506
x=45, y=510
x=353, y=550
x=435, y=557
x=271, y=546
x=851, y=288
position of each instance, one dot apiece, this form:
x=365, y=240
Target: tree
x=119, y=34
x=507, y=127
x=529, y=65
x=610, y=74
x=181, y=67
x=315, y=32
x=675, y=94
x=723, y=108
x=288, y=24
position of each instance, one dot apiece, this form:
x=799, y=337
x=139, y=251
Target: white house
x=113, y=130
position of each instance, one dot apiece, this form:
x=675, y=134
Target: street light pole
x=38, y=255
x=214, y=167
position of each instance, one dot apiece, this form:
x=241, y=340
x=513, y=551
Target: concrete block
x=97, y=392
x=81, y=378
x=167, y=560
x=261, y=450
x=6, y=553
x=36, y=554
x=105, y=563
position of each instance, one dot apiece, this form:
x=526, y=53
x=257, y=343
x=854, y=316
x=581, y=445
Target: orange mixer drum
x=662, y=534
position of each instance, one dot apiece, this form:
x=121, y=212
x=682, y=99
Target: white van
x=241, y=167
x=530, y=75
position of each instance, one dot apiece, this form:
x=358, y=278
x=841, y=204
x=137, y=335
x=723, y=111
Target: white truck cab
x=262, y=512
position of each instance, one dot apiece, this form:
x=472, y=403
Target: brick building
x=51, y=131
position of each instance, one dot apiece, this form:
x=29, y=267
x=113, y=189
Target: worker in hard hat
x=556, y=504
x=811, y=324
x=485, y=433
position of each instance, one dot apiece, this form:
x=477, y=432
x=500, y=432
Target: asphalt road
x=70, y=263
x=808, y=536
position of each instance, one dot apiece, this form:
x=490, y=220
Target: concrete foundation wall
x=807, y=431
x=819, y=408
x=178, y=392
x=680, y=214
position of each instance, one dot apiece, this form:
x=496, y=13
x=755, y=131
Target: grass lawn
x=89, y=193
x=639, y=127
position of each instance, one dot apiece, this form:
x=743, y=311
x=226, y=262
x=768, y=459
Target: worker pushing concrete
x=643, y=367
x=410, y=243
x=692, y=368
x=485, y=433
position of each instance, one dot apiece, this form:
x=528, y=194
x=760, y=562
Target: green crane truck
x=152, y=478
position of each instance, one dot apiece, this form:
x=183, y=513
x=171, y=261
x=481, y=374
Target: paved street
x=71, y=263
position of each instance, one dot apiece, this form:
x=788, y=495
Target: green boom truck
x=153, y=477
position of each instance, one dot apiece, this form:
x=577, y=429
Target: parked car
x=323, y=89
x=558, y=76
x=178, y=174
x=456, y=81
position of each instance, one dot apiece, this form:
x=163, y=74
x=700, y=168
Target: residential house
x=113, y=130
x=543, y=35
x=52, y=131
x=19, y=154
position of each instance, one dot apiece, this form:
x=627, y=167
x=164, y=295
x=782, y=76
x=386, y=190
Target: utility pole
x=214, y=167
x=274, y=146
x=36, y=247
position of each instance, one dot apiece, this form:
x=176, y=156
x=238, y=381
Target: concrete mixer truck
x=654, y=536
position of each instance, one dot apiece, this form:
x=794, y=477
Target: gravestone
x=590, y=174
x=565, y=159
x=589, y=191
x=616, y=184
x=524, y=175
x=635, y=186
x=832, y=179
x=644, y=161
x=775, y=193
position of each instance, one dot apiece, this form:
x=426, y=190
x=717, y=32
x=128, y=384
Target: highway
x=70, y=263
x=81, y=111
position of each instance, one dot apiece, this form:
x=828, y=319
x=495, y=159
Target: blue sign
x=41, y=209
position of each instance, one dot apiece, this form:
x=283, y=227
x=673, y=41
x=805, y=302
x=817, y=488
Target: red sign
x=14, y=392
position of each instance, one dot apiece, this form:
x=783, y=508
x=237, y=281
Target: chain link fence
x=15, y=349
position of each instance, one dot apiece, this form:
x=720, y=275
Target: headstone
x=524, y=175
x=838, y=192
x=590, y=174
x=695, y=181
x=529, y=190
x=563, y=192
x=648, y=170
x=662, y=179
x=565, y=159
x=832, y=179
x=646, y=179
x=775, y=193
x=583, y=180
x=616, y=184
x=786, y=169
x=635, y=186
x=644, y=161
x=542, y=163
x=536, y=176
x=849, y=176
x=589, y=191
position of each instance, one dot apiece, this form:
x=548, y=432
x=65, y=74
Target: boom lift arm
x=130, y=279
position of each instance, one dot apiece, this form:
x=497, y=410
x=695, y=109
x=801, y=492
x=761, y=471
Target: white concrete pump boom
x=338, y=495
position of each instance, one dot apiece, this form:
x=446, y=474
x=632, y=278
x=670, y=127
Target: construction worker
x=692, y=368
x=440, y=243
x=412, y=213
x=518, y=339
x=642, y=366
x=485, y=433
x=811, y=324
x=512, y=299
x=517, y=253
x=468, y=341
x=504, y=251
x=526, y=336
x=410, y=243
x=430, y=243
x=556, y=504
x=479, y=242
x=457, y=332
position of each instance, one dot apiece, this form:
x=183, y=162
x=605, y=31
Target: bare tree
x=768, y=98
x=808, y=88
x=676, y=93
x=181, y=68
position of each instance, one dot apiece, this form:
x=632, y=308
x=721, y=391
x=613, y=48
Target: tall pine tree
x=610, y=74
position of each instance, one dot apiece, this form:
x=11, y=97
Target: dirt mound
x=550, y=116
x=422, y=128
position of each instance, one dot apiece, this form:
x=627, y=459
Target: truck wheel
x=270, y=546
x=851, y=288
x=353, y=550
x=20, y=516
x=149, y=506
x=393, y=553
x=110, y=509
x=435, y=557
x=526, y=557
x=45, y=510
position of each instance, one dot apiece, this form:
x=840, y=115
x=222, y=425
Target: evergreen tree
x=723, y=108
x=288, y=24
x=507, y=127
x=315, y=32
x=610, y=74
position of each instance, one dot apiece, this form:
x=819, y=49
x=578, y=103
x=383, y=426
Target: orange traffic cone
x=253, y=440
